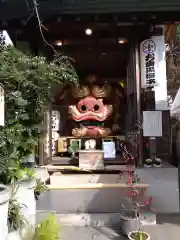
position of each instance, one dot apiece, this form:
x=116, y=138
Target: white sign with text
x=152, y=124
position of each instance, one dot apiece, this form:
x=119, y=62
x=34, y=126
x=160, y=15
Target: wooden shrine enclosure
x=103, y=38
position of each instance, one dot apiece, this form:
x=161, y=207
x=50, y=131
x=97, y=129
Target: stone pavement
x=167, y=228
x=90, y=233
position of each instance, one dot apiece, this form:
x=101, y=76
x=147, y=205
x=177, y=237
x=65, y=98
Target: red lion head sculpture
x=90, y=112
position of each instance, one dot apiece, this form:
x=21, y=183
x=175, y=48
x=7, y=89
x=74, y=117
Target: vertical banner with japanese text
x=160, y=68
x=153, y=69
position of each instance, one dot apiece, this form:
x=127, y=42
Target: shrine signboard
x=152, y=123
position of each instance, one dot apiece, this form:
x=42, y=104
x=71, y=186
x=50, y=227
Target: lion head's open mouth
x=92, y=124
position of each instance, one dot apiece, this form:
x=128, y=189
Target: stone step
x=92, y=200
x=147, y=218
x=92, y=181
x=73, y=193
x=75, y=169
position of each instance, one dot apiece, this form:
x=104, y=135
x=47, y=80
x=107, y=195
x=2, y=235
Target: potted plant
x=22, y=182
x=130, y=218
x=39, y=188
x=16, y=221
x=157, y=162
x=129, y=221
x=4, y=203
x=148, y=163
x=73, y=149
x=138, y=235
x=25, y=195
x=46, y=230
x=8, y=175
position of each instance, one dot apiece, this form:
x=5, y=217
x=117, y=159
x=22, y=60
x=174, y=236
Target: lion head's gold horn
x=101, y=92
x=80, y=91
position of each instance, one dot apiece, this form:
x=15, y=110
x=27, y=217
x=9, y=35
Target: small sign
x=152, y=124
x=62, y=145
x=109, y=149
x=4, y=38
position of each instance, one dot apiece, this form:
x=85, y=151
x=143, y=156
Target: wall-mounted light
x=88, y=31
x=122, y=40
x=58, y=43
x=122, y=84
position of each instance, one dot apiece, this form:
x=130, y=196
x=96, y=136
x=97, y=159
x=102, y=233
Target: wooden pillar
x=139, y=110
x=45, y=140
x=150, y=106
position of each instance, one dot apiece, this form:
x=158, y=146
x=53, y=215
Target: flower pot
x=147, y=166
x=145, y=236
x=129, y=224
x=18, y=234
x=14, y=235
x=148, y=163
x=157, y=163
x=4, y=202
x=25, y=196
